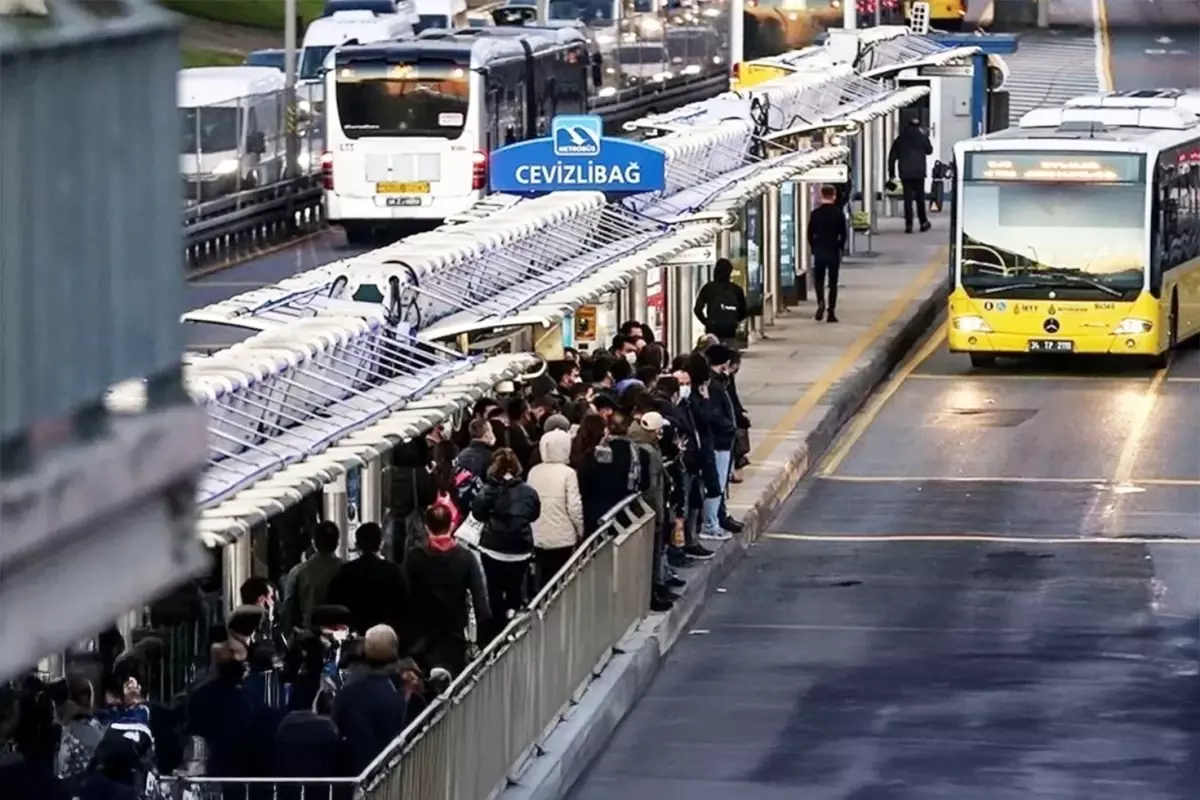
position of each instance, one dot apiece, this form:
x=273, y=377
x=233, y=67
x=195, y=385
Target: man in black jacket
x=371, y=587
x=827, y=239
x=723, y=420
x=721, y=304
x=907, y=160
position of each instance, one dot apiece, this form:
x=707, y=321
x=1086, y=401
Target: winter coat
x=507, y=510
x=440, y=573
x=370, y=712
x=372, y=589
x=612, y=471
x=907, y=158
x=557, y=486
x=310, y=587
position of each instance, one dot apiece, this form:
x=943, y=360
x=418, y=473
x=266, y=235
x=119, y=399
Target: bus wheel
x=982, y=360
x=1173, y=323
x=357, y=233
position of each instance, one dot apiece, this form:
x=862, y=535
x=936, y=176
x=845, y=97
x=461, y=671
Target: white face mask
x=684, y=392
x=577, y=379
x=631, y=358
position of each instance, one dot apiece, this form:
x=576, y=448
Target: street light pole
x=289, y=72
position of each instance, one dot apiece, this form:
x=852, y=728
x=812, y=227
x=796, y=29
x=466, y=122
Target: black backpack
x=722, y=307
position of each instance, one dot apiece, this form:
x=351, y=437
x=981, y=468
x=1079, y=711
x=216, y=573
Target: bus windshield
x=1035, y=223
x=426, y=103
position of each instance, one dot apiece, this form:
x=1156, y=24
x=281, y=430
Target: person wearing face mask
x=670, y=396
x=219, y=715
x=625, y=348
x=722, y=420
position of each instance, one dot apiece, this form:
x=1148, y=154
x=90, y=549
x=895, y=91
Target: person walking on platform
x=827, y=238
x=906, y=160
x=721, y=304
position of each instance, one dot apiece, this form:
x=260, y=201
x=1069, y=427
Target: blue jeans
x=712, y=505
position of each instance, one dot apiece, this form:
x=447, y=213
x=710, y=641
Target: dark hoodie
x=907, y=158
x=507, y=509
x=721, y=303
x=440, y=572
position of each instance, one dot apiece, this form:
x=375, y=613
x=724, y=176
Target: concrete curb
x=585, y=728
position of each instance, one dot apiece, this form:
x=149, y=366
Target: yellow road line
x=1137, y=431
x=808, y=401
x=974, y=537
x=1171, y=379
x=1031, y=378
x=864, y=419
x=1100, y=482
x=954, y=479
x=1104, y=47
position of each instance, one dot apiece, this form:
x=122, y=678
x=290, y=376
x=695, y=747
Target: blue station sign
x=578, y=157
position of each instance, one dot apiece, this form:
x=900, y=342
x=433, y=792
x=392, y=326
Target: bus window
x=428, y=21
x=425, y=101
x=312, y=58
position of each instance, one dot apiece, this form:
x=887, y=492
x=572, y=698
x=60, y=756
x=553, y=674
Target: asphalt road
x=989, y=590
x=1151, y=49
x=268, y=269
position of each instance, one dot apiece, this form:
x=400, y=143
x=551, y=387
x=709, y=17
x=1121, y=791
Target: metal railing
x=471, y=739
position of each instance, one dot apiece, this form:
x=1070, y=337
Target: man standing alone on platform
x=906, y=160
x=721, y=304
x=827, y=239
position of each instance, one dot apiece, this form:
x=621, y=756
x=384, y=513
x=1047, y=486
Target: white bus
x=410, y=124
x=341, y=27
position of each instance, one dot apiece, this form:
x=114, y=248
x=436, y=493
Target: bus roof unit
x=477, y=50
x=212, y=86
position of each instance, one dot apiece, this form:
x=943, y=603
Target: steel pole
x=289, y=76
x=850, y=14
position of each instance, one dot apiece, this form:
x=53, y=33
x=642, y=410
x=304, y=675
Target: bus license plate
x=1051, y=346
x=403, y=201
x=402, y=187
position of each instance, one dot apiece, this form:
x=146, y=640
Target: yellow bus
x=773, y=29
x=944, y=15
x=1078, y=231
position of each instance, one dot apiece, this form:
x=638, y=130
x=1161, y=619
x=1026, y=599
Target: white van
x=232, y=120
x=327, y=33
x=442, y=14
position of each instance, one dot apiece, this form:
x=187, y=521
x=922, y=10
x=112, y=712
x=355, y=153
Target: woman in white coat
x=557, y=531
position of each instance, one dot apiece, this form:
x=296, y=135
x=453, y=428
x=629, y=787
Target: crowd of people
x=314, y=677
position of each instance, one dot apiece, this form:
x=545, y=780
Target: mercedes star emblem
x=1050, y=325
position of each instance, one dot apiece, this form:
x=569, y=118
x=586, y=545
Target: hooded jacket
x=507, y=509
x=907, y=157
x=557, y=486
x=721, y=292
x=439, y=573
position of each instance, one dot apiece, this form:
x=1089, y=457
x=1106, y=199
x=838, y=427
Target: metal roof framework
x=324, y=369
x=226, y=521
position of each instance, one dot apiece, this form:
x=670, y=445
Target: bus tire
x=357, y=232
x=1173, y=323
x=983, y=360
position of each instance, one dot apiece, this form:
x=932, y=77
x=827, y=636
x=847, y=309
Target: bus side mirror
x=597, y=70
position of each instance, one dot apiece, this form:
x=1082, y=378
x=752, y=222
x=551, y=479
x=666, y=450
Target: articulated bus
x=1079, y=231
x=772, y=29
x=412, y=121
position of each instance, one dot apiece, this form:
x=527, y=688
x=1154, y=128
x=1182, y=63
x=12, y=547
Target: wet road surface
x=989, y=590
x=329, y=245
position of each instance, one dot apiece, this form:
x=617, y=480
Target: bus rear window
x=411, y=106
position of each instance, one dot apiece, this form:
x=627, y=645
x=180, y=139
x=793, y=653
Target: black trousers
x=914, y=194
x=506, y=584
x=826, y=266
x=549, y=561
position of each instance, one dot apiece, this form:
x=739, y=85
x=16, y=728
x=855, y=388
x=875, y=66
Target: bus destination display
x=1056, y=167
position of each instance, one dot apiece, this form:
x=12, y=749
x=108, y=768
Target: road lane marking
x=1099, y=483
x=863, y=420
x=1104, y=62
x=926, y=376
x=981, y=538
x=1132, y=447
x=783, y=429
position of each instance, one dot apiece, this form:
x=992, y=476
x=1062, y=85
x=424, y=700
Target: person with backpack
x=721, y=304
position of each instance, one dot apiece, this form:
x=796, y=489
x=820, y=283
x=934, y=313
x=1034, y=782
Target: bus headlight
x=1131, y=325
x=971, y=324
